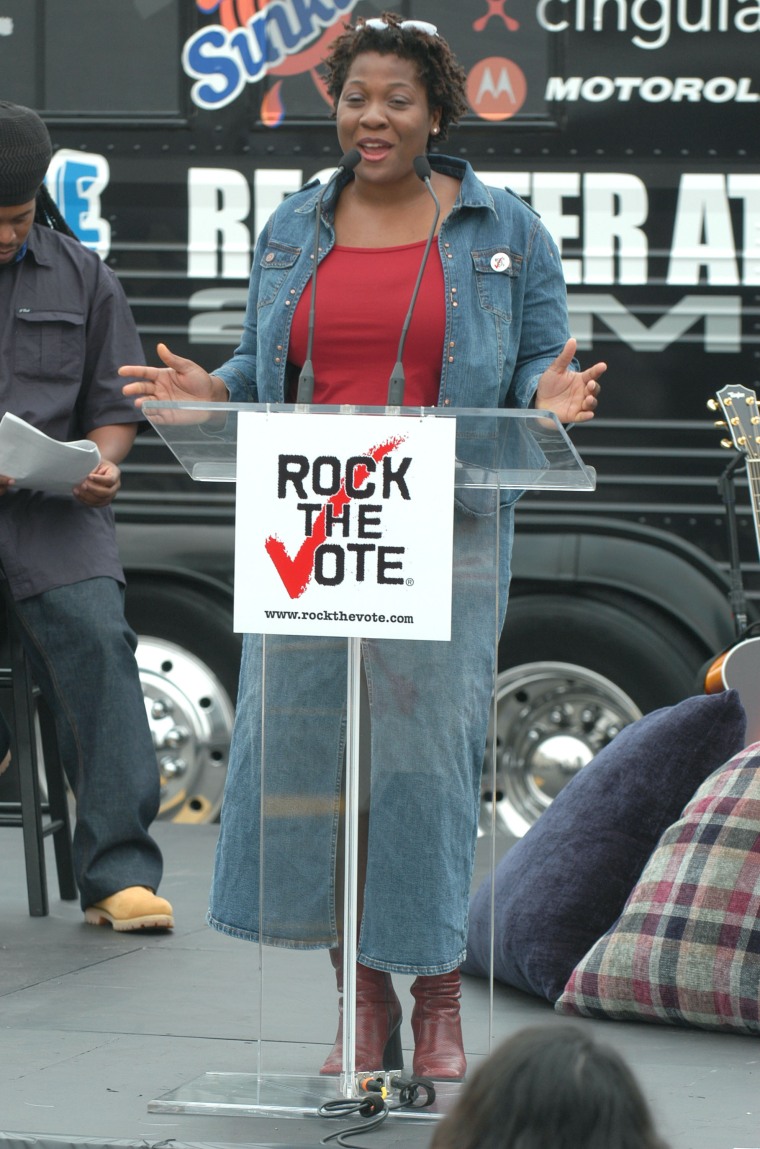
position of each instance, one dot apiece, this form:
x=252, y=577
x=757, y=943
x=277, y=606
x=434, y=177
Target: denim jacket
x=503, y=327
x=428, y=701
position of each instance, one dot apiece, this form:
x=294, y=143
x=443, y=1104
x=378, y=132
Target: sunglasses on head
x=417, y=25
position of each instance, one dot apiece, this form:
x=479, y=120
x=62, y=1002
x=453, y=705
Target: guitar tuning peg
x=712, y=405
x=720, y=423
x=726, y=443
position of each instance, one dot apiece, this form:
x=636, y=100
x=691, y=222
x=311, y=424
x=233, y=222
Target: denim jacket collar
x=473, y=193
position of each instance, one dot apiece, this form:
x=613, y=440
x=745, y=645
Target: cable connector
x=373, y=1083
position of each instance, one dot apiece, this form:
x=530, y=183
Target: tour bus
x=631, y=128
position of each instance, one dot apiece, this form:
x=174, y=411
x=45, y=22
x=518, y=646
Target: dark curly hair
x=442, y=76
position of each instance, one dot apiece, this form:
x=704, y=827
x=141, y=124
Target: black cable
x=410, y=1087
x=374, y=1106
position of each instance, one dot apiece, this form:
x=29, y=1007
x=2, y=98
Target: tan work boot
x=135, y=908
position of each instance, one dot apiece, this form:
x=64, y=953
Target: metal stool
x=37, y=818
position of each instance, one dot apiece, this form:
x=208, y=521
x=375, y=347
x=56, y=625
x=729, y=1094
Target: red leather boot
x=437, y=1029
x=378, y=1021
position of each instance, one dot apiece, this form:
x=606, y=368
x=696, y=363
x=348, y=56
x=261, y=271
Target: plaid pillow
x=560, y=887
x=686, y=948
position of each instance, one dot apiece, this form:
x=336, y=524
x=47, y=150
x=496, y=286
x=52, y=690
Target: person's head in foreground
x=550, y=1087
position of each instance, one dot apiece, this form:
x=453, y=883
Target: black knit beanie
x=25, y=154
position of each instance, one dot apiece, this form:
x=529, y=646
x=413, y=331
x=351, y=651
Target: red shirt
x=363, y=295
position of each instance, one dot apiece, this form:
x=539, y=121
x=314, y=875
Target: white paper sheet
x=35, y=460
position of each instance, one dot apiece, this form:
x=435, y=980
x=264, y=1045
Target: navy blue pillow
x=563, y=885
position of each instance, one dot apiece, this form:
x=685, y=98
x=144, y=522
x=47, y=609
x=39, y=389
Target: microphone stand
x=305, y=391
x=737, y=596
x=397, y=381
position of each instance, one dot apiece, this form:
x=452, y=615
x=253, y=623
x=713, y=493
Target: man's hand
x=5, y=483
x=571, y=395
x=100, y=486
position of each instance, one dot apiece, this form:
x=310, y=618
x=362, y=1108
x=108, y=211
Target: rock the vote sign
x=344, y=525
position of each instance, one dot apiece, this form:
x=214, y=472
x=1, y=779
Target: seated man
x=65, y=326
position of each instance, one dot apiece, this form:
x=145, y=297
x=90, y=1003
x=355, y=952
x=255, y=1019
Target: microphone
x=397, y=380
x=305, y=391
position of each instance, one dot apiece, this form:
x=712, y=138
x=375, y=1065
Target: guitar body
x=739, y=669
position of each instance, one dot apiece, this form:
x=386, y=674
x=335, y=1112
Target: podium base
x=278, y=1095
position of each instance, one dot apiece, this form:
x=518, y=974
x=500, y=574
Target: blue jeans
x=274, y=876
x=81, y=650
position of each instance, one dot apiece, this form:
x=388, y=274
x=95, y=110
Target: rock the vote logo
x=344, y=525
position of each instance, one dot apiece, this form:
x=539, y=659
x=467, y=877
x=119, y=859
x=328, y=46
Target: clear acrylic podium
x=498, y=454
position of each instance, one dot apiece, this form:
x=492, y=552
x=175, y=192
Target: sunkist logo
x=257, y=38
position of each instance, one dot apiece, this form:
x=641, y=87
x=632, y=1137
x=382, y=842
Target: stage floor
x=95, y=1026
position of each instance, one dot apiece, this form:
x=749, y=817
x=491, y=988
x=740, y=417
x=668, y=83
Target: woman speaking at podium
x=489, y=329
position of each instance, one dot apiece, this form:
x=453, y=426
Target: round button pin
x=500, y=261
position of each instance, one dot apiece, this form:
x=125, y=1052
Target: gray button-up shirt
x=65, y=329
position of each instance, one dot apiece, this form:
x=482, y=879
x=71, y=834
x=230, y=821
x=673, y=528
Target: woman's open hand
x=571, y=395
x=180, y=381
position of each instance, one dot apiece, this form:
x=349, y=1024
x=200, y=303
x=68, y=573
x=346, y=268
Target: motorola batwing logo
x=496, y=88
